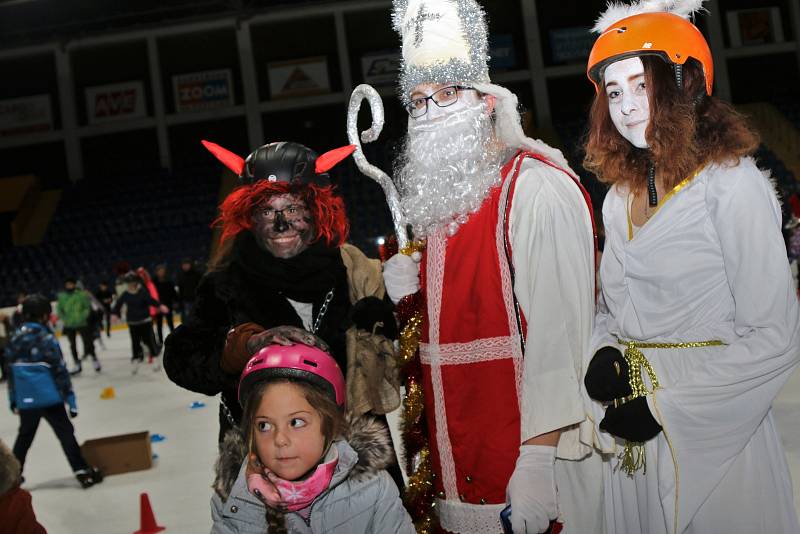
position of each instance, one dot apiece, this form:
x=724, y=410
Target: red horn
x=329, y=159
x=228, y=158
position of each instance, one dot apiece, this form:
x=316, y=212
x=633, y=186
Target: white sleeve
x=711, y=418
x=601, y=337
x=553, y=255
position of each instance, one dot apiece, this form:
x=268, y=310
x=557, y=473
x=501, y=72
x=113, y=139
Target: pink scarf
x=288, y=495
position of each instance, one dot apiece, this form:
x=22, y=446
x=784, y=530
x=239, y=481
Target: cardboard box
x=119, y=454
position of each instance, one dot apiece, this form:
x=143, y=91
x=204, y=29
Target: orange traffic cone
x=147, y=520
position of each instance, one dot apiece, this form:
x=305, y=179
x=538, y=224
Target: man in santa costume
x=507, y=277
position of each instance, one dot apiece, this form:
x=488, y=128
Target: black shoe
x=89, y=477
x=77, y=370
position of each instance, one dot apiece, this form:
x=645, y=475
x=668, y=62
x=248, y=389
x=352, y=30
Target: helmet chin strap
x=652, y=194
x=679, y=75
x=678, y=69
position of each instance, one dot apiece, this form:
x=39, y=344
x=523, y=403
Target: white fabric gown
x=709, y=265
x=553, y=253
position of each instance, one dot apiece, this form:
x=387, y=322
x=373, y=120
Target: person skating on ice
x=74, y=309
x=39, y=387
x=137, y=302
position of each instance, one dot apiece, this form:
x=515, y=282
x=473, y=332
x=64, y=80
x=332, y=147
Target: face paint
x=465, y=98
x=283, y=226
x=628, y=103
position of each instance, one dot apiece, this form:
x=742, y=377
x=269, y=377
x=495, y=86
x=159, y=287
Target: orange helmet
x=663, y=34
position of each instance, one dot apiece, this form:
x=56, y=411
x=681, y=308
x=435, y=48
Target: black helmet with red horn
x=283, y=161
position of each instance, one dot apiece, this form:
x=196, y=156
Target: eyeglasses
x=446, y=96
x=291, y=213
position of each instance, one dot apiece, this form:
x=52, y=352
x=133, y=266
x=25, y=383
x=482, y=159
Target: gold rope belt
x=632, y=457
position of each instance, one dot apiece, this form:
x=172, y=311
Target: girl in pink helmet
x=299, y=464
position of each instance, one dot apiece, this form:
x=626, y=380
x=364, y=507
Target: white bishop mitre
x=442, y=41
x=433, y=33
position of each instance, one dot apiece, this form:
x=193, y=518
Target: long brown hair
x=687, y=129
x=333, y=424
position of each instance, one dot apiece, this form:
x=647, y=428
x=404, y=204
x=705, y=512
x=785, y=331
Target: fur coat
x=361, y=498
x=230, y=297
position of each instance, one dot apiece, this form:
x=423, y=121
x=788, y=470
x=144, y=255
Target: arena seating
x=143, y=220
x=366, y=204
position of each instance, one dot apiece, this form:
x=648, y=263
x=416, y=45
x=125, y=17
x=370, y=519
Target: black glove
x=632, y=421
x=371, y=310
x=73, y=413
x=607, y=376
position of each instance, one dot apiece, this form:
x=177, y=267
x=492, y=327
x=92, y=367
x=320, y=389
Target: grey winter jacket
x=362, y=497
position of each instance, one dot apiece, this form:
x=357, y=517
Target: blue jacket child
x=39, y=386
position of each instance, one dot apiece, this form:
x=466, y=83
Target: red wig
x=327, y=209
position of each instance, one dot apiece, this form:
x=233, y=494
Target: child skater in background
x=39, y=387
x=298, y=464
x=138, y=301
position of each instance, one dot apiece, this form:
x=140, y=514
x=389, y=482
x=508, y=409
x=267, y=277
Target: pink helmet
x=296, y=362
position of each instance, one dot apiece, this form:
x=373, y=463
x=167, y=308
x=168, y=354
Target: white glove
x=401, y=277
x=532, y=490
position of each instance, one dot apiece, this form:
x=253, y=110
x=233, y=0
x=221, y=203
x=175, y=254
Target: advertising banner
x=381, y=68
x=30, y=114
x=113, y=102
x=299, y=77
x=203, y=90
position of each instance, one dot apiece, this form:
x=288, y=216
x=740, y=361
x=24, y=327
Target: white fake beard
x=446, y=169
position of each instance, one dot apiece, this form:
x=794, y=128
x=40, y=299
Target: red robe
x=472, y=358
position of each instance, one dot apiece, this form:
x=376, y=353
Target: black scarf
x=301, y=278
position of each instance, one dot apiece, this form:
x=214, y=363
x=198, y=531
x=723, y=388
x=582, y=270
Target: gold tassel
x=632, y=458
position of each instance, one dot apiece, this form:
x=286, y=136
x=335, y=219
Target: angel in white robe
x=698, y=324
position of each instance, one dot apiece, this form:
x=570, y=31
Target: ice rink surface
x=179, y=483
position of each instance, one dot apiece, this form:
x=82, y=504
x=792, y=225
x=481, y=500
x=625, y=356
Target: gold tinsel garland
x=409, y=340
x=413, y=404
x=419, y=492
x=420, y=482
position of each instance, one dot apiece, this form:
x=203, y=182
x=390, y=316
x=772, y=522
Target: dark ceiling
x=25, y=22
